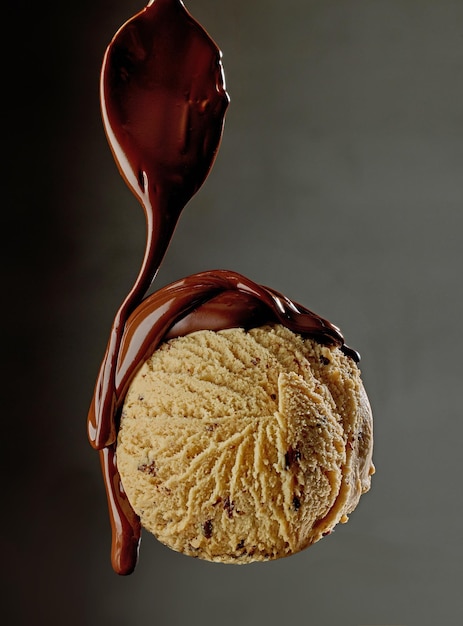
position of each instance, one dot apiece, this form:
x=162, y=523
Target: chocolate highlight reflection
x=163, y=103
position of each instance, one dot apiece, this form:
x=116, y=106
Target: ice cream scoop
x=311, y=408
x=245, y=445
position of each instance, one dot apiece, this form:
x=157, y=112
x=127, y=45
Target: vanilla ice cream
x=239, y=446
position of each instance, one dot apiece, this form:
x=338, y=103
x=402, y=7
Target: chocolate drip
x=163, y=105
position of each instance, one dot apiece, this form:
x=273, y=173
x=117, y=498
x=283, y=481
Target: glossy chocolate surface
x=163, y=105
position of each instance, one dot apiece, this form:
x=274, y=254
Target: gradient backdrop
x=339, y=182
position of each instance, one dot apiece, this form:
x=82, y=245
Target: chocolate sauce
x=163, y=104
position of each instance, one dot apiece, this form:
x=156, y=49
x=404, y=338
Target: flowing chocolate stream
x=163, y=104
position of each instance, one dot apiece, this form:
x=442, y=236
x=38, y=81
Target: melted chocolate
x=163, y=105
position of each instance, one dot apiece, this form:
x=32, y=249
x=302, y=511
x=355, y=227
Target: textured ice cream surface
x=239, y=446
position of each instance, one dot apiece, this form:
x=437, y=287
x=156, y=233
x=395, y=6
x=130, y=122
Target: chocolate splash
x=163, y=105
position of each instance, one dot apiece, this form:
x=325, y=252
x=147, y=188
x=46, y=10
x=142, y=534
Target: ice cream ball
x=241, y=445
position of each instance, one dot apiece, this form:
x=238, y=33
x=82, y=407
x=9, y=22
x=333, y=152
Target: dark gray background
x=339, y=183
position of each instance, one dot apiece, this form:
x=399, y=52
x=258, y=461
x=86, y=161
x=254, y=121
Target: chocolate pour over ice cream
x=163, y=105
